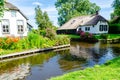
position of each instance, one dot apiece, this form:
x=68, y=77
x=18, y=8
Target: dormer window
x=72, y=21
x=13, y=13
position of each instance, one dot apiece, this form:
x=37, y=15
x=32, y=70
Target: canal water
x=43, y=66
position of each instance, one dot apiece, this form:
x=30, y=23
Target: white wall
x=13, y=24
x=95, y=29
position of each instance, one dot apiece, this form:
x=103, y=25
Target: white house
x=14, y=22
x=94, y=24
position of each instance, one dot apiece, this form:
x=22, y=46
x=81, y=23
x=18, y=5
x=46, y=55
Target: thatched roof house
x=14, y=22
x=13, y=7
x=85, y=23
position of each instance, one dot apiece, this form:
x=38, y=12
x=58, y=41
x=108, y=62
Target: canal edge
x=18, y=54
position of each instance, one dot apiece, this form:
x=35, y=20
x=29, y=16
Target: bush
x=42, y=32
x=86, y=36
x=50, y=33
x=32, y=41
x=114, y=28
x=9, y=42
x=104, y=36
x=62, y=39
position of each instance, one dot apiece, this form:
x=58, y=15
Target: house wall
x=95, y=29
x=13, y=24
x=71, y=31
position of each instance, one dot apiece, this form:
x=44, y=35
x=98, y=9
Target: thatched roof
x=82, y=21
x=12, y=7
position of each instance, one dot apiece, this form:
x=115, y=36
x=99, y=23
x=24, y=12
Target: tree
x=116, y=6
x=39, y=17
x=1, y=7
x=42, y=19
x=47, y=21
x=68, y=9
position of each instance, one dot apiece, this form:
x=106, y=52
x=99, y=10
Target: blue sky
x=28, y=6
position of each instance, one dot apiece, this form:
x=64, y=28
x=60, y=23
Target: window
x=20, y=26
x=5, y=26
x=103, y=28
x=100, y=28
x=72, y=21
x=13, y=13
x=87, y=28
x=79, y=29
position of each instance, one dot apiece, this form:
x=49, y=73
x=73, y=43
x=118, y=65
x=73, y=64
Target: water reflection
x=94, y=53
x=49, y=64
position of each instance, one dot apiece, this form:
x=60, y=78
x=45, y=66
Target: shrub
x=104, y=36
x=60, y=40
x=50, y=33
x=114, y=28
x=42, y=32
x=86, y=36
x=33, y=40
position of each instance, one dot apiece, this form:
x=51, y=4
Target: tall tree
x=39, y=17
x=1, y=7
x=46, y=19
x=42, y=19
x=68, y=9
x=116, y=6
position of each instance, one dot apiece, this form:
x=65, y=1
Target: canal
x=54, y=63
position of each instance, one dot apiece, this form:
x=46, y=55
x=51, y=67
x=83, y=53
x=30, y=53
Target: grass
x=71, y=36
x=5, y=52
x=108, y=71
x=2, y=52
x=113, y=36
x=110, y=36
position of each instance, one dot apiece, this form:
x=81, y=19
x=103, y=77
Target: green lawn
x=71, y=36
x=108, y=71
x=109, y=36
x=112, y=36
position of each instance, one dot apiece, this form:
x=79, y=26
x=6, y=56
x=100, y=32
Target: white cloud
x=37, y=3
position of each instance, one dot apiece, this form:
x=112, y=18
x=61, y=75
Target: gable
x=10, y=6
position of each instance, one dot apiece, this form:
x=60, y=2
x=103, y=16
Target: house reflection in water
x=93, y=53
x=16, y=73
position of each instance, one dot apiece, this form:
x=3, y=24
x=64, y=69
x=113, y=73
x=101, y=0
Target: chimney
x=97, y=12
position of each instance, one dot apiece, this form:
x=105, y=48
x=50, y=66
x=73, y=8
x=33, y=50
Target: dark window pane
x=21, y=30
x=3, y=30
x=21, y=26
x=7, y=30
x=6, y=26
x=3, y=26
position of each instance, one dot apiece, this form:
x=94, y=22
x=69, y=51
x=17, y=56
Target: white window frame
x=5, y=26
x=87, y=28
x=103, y=28
x=20, y=26
x=13, y=13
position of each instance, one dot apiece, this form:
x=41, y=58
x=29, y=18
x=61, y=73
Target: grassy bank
x=108, y=71
x=108, y=36
x=32, y=41
x=71, y=36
